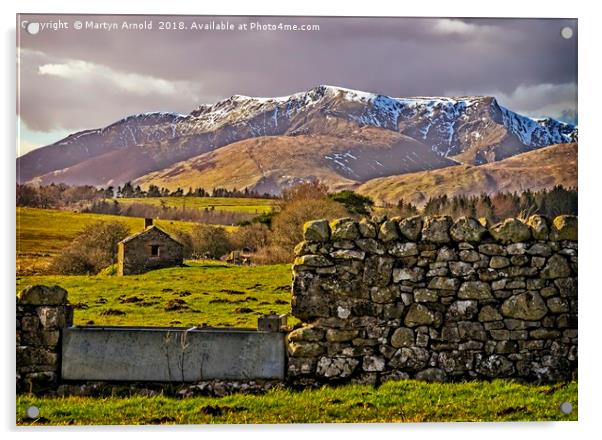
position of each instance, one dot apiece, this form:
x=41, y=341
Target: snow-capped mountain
x=471, y=129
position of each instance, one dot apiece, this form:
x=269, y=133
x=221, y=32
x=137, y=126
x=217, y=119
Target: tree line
x=499, y=206
x=62, y=195
x=272, y=237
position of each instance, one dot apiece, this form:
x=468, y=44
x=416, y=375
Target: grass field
x=204, y=292
x=42, y=233
x=401, y=401
x=50, y=230
x=245, y=205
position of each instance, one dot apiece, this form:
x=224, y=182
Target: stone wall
x=433, y=299
x=42, y=313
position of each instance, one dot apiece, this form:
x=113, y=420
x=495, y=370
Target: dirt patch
x=112, y=312
x=162, y=420
x=131, y=300
x=232, y=292
x=147, y=303
x=183, y=293
x=217, y=410
x=175, y=304
x=80, y=306
x=225, y=301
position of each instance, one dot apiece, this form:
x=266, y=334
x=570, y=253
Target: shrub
x=93, y=249
x=187, y=242
x=272, y=255
x=253, y=237
x=305, y=191
x=210, y=241
x=287, y=226
x=355, y=203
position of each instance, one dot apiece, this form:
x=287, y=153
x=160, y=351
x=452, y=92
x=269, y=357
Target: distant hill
x=327, y=126
x=535, y=170
x=270, y=163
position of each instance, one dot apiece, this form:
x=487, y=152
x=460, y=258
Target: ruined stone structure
x=42, y=313
x=433, y=299
x=150, y=249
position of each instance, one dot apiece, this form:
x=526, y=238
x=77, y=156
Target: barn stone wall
x=133, y=255
x=42, y=314
x=433, y=299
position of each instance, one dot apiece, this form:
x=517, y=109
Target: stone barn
x=149, y=249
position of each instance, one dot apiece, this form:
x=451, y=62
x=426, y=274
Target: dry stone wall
x=433, y=299
x=42, y=313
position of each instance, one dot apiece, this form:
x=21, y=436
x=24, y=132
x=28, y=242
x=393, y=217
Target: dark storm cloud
x=77, y=79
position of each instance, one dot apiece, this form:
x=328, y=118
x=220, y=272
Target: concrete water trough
x=171, y=354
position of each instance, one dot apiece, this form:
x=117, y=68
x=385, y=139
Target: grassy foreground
x=204, y=292
x=402, y=401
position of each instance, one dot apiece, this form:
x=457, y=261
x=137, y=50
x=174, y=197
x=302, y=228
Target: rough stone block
x=419, y=314
x=436, y=229
x=467, y=229
x=528, y=305
x=539, y=227
x=402, y=337
x=557, y=267
x=564, y=227
x=388, y=231
x=336, y=367
x=344, y=229
x=474, y=290
x=511, y=230
x=461, y=310
x=410, y=227
x=43, y=295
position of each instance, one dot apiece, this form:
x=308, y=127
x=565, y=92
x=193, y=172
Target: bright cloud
x=450, y=26
x=91, y=73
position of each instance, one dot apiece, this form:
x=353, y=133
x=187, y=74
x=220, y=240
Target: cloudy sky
x=72, y=79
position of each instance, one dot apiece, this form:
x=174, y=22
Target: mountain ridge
x=472, y=129
x=534, y=170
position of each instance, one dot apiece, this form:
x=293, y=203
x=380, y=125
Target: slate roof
x=148, y=230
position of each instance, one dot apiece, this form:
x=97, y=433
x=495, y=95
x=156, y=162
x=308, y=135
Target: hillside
x=270, y=163
x=473, y=130
x=535, y=170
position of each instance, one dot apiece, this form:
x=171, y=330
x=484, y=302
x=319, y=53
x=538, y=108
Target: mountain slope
x=468, y=129
x=271, y=163
x=535, y=170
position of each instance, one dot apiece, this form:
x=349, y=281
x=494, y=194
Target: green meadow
x=392, y=402
x=231, y=204
x=201, y=293
x=42, y=233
